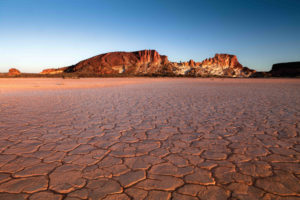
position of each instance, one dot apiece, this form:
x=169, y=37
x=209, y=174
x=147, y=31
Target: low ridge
x=290, y=69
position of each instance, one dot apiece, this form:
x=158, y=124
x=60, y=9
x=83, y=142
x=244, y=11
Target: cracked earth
x=158, y=139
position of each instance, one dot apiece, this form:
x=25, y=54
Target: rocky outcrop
x=54, y=71
x=290, y=69
x=223, y=65
x=13, y=72
x=131, y=63
x=149, y=62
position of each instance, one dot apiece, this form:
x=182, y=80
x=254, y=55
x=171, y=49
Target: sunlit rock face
x=53, y=71
x=150, y=62
x=223, y=65
x=131, y=63
x=13, y=72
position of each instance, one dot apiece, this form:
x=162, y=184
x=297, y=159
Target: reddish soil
x=144, y=138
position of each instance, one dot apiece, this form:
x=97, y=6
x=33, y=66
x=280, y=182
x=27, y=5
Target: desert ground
x=149, y=138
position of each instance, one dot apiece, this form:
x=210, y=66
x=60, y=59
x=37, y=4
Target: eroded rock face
x=13, y=72
x=149, y=62
x=223, y=65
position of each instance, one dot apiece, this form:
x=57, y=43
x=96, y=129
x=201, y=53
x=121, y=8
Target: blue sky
x=39, y=34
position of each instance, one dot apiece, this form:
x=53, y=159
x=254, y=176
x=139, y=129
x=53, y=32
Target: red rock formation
x=192, y=63
x=149, y=62
x=138, y=62
x=13, y=72
x=223, y=60
x=225, y=65
x=53, y=71
x=147, y=56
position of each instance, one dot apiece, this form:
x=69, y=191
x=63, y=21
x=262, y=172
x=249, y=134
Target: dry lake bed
x=146, y=138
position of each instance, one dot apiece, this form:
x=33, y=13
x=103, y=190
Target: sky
x=39, y=34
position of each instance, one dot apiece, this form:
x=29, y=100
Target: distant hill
x=289, y=69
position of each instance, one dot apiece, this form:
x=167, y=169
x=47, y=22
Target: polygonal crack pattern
x=176, y=139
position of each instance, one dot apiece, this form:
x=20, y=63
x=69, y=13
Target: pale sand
x=149, y=137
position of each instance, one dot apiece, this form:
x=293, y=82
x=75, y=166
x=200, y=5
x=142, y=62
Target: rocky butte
x=151, y=63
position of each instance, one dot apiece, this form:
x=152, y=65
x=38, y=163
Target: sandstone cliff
x=149, y=62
